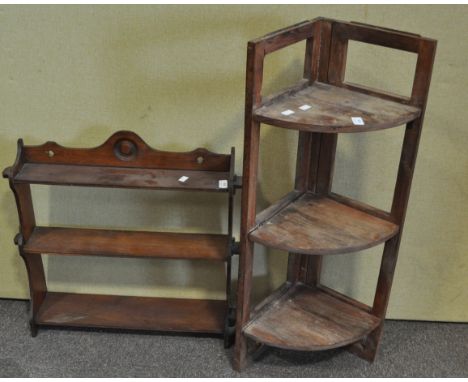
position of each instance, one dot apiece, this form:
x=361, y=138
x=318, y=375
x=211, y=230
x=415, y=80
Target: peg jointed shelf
x=124, y=161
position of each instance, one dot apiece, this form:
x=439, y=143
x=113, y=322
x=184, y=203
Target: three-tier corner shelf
x=125, y=161
x=311, y=221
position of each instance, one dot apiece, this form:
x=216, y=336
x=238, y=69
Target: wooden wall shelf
x=124, y=160
x=312, y=220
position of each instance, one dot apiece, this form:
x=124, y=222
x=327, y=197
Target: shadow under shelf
x=310, y=224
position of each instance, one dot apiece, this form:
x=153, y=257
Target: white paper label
x=357, y=121
x=183, y=179
x=305, y=107
x=287, y=112
x=222, y=183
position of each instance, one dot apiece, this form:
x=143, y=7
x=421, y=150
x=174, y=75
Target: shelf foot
x=230, y=328
x=33, y=328
x=367, y=348
x=258, y=350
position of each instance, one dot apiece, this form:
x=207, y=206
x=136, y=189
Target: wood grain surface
x=318, y=225
x=306, y=318
x=100, y=242
x=125, y=177
x=128, y=312
x=331, y=110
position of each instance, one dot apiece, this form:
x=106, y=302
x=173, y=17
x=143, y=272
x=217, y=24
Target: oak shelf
x=99, y=242
x=130, y=312
x=123, y=161
x=300, y=317
x=123, y=177
x=319, y=225
x=332, y=109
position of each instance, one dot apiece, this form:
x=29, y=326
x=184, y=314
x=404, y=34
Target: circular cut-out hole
x=50, y=153
x=126, y=148
x=200, y=160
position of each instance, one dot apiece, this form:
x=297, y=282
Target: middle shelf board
x=299, y=317
x=333, y=109
x=131, y=312
x=319, y=225
x=125, y=177
x=100, y=242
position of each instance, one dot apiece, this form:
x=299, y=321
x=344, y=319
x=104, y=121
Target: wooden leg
x=367, y=348
x=37, y=287
x=243, y=306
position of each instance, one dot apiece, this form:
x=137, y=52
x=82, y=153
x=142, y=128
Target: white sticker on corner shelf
x=357, y=121
x=287, y=112
x=305, y=107
x=183, y=179
x=222, y=183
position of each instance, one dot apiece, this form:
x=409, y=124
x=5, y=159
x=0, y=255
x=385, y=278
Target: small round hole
x=200, y=160
x=50, y=153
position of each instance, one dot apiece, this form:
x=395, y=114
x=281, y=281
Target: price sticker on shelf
x=222, y=183
x=305, y=107
x=357, y=121
x=183, y=179
x=287, y=112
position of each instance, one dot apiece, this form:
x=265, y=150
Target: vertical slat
x=368, y=348
x=323, y=158
x=309, y=144
x=34, y=266
x=229, y=303
x=255, y=57
x=337, y=59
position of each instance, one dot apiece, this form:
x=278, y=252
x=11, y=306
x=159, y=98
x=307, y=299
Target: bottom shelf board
x=128, y=312
x=300, y=317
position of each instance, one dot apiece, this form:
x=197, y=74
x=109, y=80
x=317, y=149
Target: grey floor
x=409, y=349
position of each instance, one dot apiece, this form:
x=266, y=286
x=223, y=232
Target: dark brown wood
x=129, y=312
x=332, y=110
x=126, y=149
x=322, y=159
x=100, y=242
x=124, y=160
x=102, y=176
x=306, y=318
x=34, y=265
x=368, y=349
x=317, y=225
x=285, y=37
x=378, y=213
x=254, y=76
x=312, y=219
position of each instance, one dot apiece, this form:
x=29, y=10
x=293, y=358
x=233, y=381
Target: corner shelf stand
x=311, y=221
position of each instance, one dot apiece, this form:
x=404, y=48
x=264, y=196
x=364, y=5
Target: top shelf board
x=331, y=109
x=124, y=177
